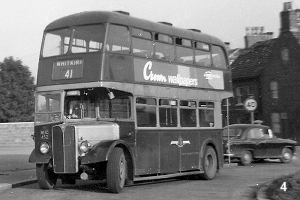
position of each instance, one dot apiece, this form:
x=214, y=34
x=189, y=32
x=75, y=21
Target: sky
x=22, y=22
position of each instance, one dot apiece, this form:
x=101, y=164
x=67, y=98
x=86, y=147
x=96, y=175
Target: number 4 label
x=283, y=186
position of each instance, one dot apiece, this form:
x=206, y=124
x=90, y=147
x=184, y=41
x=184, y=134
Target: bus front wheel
x=116, y=171
x=209, y=164
x=45, y=176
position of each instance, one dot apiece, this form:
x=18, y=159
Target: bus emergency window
x=167, y=113
x=146, y=112
x=188, y=116
x=118, y=40
x=206, y=114
x=218, y=57
x=56, y=42
x=88, y=38
x=142, y=47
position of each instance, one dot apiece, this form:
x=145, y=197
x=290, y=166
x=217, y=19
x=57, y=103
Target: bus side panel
x=190, y=150
x=118, y=68
x=147, y=152
x=212, y=137
x=169, y=151
x=172, y=151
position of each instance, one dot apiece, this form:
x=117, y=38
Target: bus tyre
x=116, y=171
x=209, y=164
x=246, y=158
x=45, y=176
x=286, y=155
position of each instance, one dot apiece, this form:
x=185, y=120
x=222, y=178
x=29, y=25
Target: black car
x=255, y=141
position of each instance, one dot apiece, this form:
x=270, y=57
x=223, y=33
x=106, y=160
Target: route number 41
x=283, y=186
x=69, y=73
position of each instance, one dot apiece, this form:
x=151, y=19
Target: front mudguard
x=101, y=151
x=33, y=158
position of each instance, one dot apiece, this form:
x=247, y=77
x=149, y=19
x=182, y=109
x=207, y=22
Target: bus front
x=78, y=117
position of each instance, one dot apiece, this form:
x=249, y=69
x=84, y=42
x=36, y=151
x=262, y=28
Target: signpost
x=250, y=105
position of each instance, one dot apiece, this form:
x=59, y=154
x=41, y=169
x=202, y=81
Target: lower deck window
x=168, y=113
x=168, y=117
x=188, y=118
x=206, y=114
x=146, y=112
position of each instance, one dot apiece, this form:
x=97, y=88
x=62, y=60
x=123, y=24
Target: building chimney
x=256, y=34
x=290, y=20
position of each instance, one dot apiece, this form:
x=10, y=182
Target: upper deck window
x=142, y=44
x=88, y=39
x=141, y=33
x=183, y=53
x=85, y=39
x=163, y=38
x=202, y=54
x=218, y=56
x=56, y=42
x=118, y=40
x=164, y=48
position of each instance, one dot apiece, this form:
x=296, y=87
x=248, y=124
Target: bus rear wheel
x=116, y=171
x=45, y=176
x=209, y=164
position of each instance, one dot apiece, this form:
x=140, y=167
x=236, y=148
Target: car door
x=273, y=144
x=256, y=136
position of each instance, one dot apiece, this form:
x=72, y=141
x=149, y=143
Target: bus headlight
x=84, y=146
x=44, y=148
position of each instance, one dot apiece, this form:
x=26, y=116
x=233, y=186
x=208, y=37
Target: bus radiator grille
x=64, y=150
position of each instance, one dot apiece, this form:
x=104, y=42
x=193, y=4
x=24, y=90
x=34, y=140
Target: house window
x=285, y=55
x=238, y=95
x=274, y=89
x=250, y=90
x=275, y=117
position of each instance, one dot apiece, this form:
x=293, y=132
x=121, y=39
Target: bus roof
x=95, y=17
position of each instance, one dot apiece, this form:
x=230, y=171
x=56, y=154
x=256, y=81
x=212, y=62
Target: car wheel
x=286, y=155
x=209, y=164
x=116, y=171
x=45, y=176
x=246, y=158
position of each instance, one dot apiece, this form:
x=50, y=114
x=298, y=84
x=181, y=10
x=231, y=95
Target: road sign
x=250, y=104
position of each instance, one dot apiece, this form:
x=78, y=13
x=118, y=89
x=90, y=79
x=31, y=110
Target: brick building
x=269, y=71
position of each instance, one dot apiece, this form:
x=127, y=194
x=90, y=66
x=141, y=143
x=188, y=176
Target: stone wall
x=16, y=135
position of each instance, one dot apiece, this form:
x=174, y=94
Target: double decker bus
x=125, y=99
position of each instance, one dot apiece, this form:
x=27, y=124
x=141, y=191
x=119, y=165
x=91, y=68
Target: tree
x=16, y=92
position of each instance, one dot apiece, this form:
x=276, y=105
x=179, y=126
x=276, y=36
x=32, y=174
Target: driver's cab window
x=73, y=107
x=80, y=104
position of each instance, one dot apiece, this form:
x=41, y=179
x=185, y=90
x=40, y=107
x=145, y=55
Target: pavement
x=16, y=171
